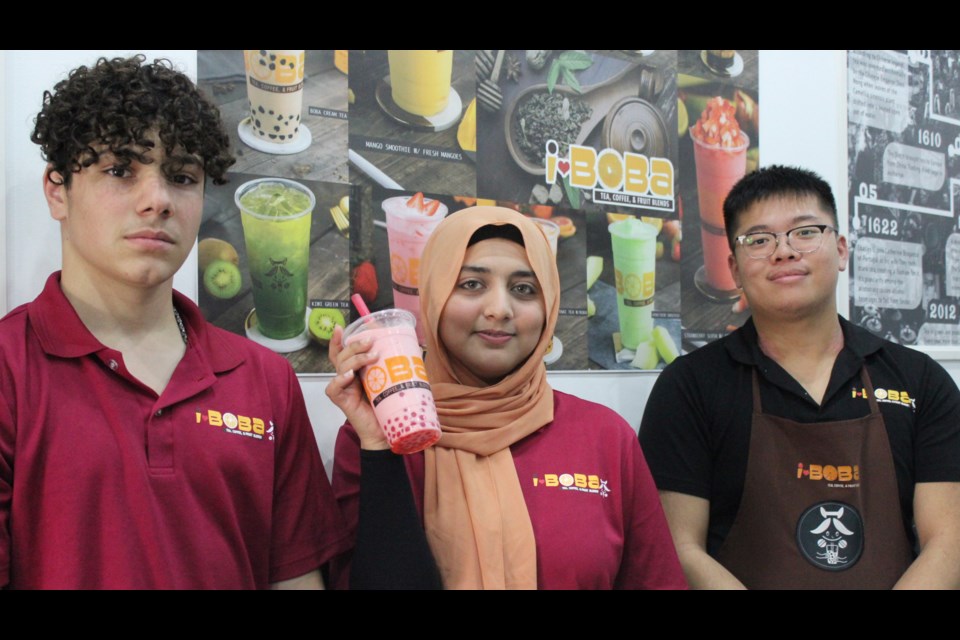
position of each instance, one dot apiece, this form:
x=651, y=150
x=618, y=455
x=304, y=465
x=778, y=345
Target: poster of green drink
x=273, y=264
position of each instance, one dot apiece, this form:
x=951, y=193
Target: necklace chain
x=183, y=329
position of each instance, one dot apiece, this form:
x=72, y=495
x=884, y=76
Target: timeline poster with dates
x=903, y=138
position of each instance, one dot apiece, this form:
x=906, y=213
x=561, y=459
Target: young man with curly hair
x=140, y=446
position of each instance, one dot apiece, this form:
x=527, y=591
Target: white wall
x=803, y=102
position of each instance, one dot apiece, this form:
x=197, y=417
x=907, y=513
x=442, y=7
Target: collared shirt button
x=159, y=413
x=113, y=364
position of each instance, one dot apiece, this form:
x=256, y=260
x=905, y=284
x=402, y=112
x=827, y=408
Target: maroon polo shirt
x=216, y=483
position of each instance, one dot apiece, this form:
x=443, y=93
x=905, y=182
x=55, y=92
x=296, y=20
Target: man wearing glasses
x=801, y=451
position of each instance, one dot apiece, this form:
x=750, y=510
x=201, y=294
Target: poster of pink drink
x=410, y=223
x=389, y=230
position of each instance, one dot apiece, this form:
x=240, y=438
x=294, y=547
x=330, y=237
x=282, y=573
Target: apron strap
x=757, y=406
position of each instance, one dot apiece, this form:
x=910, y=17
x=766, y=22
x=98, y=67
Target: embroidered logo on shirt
x=830, y=536
x=236, y=424
x=581, y=482
x=889, y=396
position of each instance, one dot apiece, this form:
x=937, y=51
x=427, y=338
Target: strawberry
x=416, y=201
x=431, y=207
x=364, y=281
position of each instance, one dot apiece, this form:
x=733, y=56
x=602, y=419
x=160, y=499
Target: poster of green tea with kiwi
x=274, y=241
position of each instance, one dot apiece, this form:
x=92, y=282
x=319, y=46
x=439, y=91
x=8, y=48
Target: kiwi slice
x=221, y=279
x=322, y=322
x=210, y=249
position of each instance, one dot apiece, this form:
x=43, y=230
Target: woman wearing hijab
x=528, y=487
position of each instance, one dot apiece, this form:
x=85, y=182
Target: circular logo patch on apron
x=830, y=535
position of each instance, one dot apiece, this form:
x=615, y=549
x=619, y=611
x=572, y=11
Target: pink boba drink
x=410, y=221
x=396, y=385
x=720, y=153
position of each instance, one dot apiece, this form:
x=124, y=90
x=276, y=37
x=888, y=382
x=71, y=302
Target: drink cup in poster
x=718, y=169
x=634, y=263
x=276, y=216
x=408, y=229
x=275, y=90
x=420, y=79
x=396, y=385
x=551, y=230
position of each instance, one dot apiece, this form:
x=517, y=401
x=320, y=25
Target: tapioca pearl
x=272, y=136
x=257, y=122
x=292, y=65
x=260, y=108
x=263, y=62
x=276, y=127
x=283, y=61
x=298, y=117
x=273, y=66
x=271, y=112
x=402, y=393
x=279, y=118
x=273, y=56
x=283, y=137
x=296, y=129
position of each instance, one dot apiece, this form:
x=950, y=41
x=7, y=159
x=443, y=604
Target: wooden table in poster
x=329, y=255
x=368, y=120
x=324, y=88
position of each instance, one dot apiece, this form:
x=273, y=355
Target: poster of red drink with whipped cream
x=719, y=143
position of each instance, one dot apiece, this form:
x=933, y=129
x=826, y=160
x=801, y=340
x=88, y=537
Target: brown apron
x=820, y=507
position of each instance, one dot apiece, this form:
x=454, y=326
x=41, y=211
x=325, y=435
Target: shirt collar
x=58, y=327
x=743, y=345
x=61, y=332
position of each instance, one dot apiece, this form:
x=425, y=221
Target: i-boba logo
x=628, y=179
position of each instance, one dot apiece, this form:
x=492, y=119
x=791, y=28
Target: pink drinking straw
x=360, y=304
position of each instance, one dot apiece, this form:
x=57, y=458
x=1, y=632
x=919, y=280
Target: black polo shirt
x=695, y=431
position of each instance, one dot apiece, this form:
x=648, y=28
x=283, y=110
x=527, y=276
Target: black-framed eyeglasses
x=763, y=244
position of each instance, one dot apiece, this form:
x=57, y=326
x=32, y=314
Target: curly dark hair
x=119, y=104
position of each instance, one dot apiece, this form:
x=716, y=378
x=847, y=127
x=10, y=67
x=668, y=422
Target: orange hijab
x=474, y=511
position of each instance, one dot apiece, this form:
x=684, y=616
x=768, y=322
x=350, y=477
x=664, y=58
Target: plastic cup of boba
x=396, y=385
